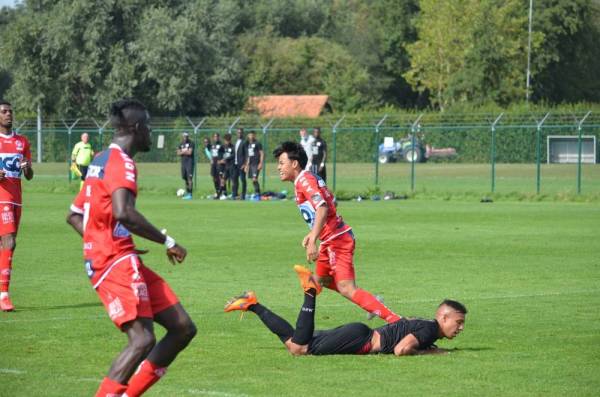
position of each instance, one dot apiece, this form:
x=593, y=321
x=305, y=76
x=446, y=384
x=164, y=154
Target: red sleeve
x=312, y=191
x=77, y=205
x=120, y=172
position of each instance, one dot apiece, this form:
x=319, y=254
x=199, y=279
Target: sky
x=8, y=3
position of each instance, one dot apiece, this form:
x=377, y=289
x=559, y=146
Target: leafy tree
x=305, y=66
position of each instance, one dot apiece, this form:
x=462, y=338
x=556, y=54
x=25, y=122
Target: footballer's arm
x=310, y=240
x=409, y=345
x=124, y=211
x=76, y=221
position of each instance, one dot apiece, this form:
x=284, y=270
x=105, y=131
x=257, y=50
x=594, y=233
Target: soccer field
x=528, y=272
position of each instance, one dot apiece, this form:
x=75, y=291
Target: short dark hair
x=294, y=151
x=227, y=136
x=4, y=102
x=459, y=307
x=122, y=112
x=240, y=129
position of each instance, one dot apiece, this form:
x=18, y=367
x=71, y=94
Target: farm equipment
x=403, y=149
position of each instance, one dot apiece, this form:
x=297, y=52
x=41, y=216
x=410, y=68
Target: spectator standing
x=186, y=151
x=228, y=158
x=239, y=163
x=306, y=141
x=217, y=166
x=319, y=155
x=254, y=161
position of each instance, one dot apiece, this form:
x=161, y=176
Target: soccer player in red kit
x=134, y=296
x=15, y=160
x=334, y=258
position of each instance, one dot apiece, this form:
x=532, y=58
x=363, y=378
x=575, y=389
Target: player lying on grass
x=335, y=255
x=403, y=337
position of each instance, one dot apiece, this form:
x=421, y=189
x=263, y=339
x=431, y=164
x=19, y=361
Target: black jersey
x=319, y=147
x=253, y=150
x=426, y=332
x=216, y=151
x=187, y=159
x=228, y=154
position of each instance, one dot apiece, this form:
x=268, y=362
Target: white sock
x=3, y=295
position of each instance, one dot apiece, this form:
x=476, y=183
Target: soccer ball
x=180, y=192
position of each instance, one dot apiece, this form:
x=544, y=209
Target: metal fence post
x=377, y=149
x=196, y=127
x=39, y=133
x=233, y=124
x=264, y=170
x=538, y=153
x=413, y=131
x=579, y=148
x=100, y=131
x=69, y=148
x=493, y=154
x=334, y=132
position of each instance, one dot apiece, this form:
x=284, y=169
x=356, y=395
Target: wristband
x=169, y=242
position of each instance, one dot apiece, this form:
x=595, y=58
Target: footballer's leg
x=341, y=259
x=169, y=313
x=247, y=301
x=141, y=340
x=8, y=235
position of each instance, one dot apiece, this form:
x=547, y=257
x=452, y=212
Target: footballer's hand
x=2, y=175
x=310, y=243
x=25, y=165
x=176, y=254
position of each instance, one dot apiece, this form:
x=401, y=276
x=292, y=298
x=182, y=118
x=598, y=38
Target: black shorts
x=217, y=170
x=187, y=170
x=346, y=339
x=83, y=169
x=229, y=171
x=253, y=171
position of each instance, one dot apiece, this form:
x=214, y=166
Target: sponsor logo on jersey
x=120, y=231
x=141, y=291
x=7, y=217
x=316, y=198
x=19, y=145
x=115, y=309
x=308, y=213
x=11, y=164
x=95, y=171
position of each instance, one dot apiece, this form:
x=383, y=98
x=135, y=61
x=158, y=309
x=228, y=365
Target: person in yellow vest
x=82, y=156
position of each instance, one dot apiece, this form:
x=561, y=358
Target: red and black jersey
x=105, y=240
x=311, y=193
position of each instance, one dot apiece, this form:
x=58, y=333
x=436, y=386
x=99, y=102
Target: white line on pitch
x=11, y=371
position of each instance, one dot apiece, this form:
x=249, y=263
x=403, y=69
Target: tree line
x=205, y=57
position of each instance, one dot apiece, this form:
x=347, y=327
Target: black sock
x=256, y=188
x=305, y=326
x=276, y=324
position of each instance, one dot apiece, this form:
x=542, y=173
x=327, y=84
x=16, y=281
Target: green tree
x=306, y=66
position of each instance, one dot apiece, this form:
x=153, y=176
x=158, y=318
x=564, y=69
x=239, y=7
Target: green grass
x=528, y=272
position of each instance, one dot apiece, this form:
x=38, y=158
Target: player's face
x=286, y=168
x=85, y=138
x=252, y=136
x=452, y=324
x=144, y=140
x=6, y=116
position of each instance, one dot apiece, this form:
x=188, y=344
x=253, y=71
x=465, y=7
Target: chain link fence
x=483, y=153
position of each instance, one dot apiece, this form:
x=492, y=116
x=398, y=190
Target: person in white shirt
x=306, y=141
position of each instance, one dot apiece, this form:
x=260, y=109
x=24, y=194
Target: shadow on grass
x=57, y=307
x=470, y=349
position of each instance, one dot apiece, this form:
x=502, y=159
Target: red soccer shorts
x=131, y=290
x=10, y=216
x=336, y=258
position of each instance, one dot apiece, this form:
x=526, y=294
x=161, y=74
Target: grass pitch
x=528, y=272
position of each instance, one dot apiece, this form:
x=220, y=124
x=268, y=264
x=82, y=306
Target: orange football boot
x=241, y=302
x=307, y=280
